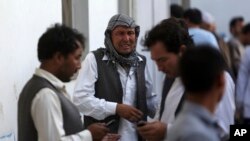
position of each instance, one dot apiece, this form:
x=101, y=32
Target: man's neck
x=202, y=100
x=191, y=25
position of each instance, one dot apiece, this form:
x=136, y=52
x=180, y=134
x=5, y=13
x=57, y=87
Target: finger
x=137, y=114
x=105, y=137
x=102, y=124
x=148, y=134
x=106, y=130
x=114, y=137
x=133, y=119
x=145, y=128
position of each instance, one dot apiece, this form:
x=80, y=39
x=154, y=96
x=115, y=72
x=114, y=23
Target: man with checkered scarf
x=114, y=84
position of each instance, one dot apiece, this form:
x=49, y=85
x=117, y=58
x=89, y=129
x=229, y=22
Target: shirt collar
x=50, y=77
x=200, y=111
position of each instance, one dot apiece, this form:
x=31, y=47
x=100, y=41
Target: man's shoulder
x=141, y=58
x=99, y=53
x=233, y=42
x=101, y=49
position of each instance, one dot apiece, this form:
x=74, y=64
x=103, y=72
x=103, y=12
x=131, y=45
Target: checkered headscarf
x=120, y=20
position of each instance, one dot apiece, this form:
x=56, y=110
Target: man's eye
x=131, y=33
x=119, y=33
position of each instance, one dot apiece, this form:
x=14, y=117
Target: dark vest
x=72, y=123
x=109, y=87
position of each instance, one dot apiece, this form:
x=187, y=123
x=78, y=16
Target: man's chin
x=170, y=75
x=74, y=76
x=125, y=53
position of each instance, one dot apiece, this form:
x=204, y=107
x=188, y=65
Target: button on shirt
x=99, y=109
x=47, y=114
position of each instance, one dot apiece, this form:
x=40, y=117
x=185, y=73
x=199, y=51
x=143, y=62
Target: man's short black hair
x=58, y=38
x=246, y=29
x=193, y=15
x=176, y=11
x=172, y=33
x=200, y=68
x=235, y=20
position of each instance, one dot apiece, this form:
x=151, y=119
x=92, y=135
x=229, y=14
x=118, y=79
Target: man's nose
x=126, y=37
x=160, y=67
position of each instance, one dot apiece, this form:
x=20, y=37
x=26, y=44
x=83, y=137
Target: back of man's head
x=58, y=38
x=172, y=33
x=246, y=29
x=176, y=11
x=245, y=32
x=200, y=68
x=194, y=16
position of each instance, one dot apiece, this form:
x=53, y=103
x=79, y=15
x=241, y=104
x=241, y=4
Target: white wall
x=22, y=23
x=91, y=18
x=100, y=11
x=223, y=11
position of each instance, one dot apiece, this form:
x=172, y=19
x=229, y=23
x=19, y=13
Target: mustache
x=127, y=43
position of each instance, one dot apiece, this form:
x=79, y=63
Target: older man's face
x=124, y=39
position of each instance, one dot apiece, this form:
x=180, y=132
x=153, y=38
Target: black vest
x=72, y=123
x=108, y=87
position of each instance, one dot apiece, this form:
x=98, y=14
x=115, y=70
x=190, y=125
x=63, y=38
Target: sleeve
x=47, y=116
x=242, y=80
x=226, y=108
x=84, y=92
x=150, y=95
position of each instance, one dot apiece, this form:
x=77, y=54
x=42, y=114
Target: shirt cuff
x=111, y=108
x=86, y=135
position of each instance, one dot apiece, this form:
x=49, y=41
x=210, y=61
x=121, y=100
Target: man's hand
x=98, y=131
x=128, y=112
x=111, y=137
x=154, y=131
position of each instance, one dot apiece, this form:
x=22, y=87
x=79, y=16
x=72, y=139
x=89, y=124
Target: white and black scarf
x=120, y=20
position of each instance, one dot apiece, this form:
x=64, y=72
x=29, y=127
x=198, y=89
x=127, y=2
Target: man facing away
x=45, y=111
x=167, y=41
x=118, y=86
x=202, y=74
x=193, y=18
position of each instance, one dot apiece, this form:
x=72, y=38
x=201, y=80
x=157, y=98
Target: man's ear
x=58, y=57
x=182, y=50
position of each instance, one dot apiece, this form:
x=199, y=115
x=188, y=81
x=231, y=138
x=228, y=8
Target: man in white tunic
x=117, y=86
